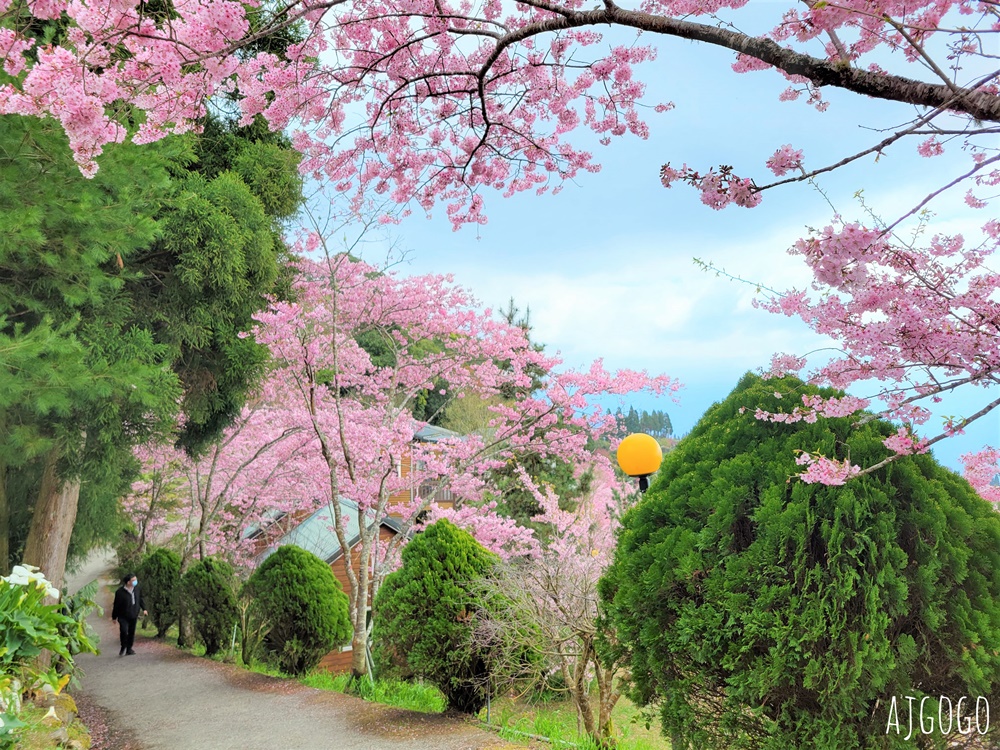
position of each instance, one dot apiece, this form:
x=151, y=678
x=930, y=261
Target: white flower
x=22, y=575
x=50, y=591
x=18, y=577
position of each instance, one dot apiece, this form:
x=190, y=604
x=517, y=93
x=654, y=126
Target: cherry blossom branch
x=820, y=72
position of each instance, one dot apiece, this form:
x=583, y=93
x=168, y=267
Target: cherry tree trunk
x=359, y=640
x=607, y=698
x=185, y=628
x=580, y=693
x=52, y=521
x=359, y=653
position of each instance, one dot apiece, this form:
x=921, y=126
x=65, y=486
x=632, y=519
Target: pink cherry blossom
x=332, y=422
x=784, y=160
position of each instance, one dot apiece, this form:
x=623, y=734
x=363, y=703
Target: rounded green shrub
x=208, y=589
x=303, y=606
x=160, y=574
x=757, y=611
x=424, y=613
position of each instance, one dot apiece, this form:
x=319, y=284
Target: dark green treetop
x=425, y=612
x=756, y=611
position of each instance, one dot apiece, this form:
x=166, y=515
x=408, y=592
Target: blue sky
x=606, y=266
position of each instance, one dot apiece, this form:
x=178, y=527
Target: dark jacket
x=125, y=606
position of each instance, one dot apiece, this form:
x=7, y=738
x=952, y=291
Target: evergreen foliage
x=757, y=611
x=655, y=423
x=425, y=613
x=208, y=589
x=124, y=295
x=218, y=259
x=160, y=573
x=303, y=606
x=79, y=383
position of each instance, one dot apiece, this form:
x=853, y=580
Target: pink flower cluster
x=905, y=443
x=918, y=320
x=784, y=160
x=981, y=470
x=718, y=189
x=823, y=470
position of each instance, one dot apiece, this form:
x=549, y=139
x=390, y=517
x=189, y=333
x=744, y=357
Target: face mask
x=135, y=583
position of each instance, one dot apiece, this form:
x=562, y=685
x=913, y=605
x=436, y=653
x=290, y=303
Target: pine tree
x=426, y=610
x=126, y=293
x=758, y=611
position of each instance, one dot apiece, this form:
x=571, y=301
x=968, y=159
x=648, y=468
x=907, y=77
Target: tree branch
x=977, y=104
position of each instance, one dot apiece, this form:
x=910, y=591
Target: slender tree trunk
x=580, y=695
x=607, y=696
x=5, y=564
x=359, y=640
x=52, y=521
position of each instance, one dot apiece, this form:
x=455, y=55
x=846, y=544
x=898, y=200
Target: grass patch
x=261, y=668
x=35, y=736
x=412, y=696
x=556, y=721
x=170, y=638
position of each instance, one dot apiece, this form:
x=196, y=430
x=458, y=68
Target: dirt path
x=164, y=699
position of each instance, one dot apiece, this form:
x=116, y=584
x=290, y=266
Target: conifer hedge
x=304, y=607
x=757, y=611
x=424, y=615
x=160, y=573
x=208, y=588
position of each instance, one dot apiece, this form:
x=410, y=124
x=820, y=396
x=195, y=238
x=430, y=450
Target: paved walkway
x=162, y=698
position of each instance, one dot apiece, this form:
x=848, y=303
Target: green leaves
x=29, y=626
x=424, y=614
x=304, y=607
x=160, y=571
x=761, y=612
x=209, y=592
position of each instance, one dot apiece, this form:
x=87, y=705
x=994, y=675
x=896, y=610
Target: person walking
x=128, y=605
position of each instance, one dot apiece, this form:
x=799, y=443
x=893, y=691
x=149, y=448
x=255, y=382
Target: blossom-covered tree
x=430, y=102
x=548, y=604
x=251, y=473
x=459, y=96
x=358, y=412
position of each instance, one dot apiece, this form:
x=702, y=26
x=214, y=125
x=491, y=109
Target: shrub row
x=290, y=612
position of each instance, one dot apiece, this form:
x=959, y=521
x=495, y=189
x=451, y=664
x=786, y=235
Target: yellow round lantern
x=640, y=455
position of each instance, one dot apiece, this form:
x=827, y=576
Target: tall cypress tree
x=127, y=295
x=76, y=378
x=757, y=611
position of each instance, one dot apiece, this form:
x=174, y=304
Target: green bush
x=303, y=606
x=209, y=594
x=160, y=574
x=80, y=637
x=28, y=627
x=424, y=613
x=756, y=611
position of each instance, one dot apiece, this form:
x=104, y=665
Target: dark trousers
x=126, y=629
